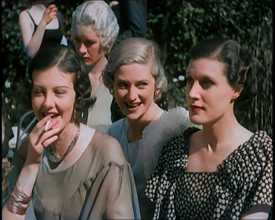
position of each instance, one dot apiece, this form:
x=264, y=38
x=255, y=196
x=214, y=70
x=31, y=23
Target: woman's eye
x=142, y=84
x=37, y=92
x=59, y=92
x=88, y=43
x=122, y=85
x=77, y=40
x=206, y=84
x=189, y=80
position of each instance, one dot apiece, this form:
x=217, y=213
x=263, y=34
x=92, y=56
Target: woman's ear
x=112, y=92
x=236, y=94
x=156, y=93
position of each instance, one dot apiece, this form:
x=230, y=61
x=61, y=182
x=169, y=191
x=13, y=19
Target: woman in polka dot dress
x=222, y=171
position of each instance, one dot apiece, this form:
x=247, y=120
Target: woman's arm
x=20, y=197
x=32, y=42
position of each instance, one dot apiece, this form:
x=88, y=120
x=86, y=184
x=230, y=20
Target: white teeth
x=132, y=106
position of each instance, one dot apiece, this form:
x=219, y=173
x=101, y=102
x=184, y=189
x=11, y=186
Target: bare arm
x=32, y=42
x=38, y=138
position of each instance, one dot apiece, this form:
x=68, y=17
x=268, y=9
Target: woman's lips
x=132, y=107
x=53, y=120
x=195, y=108
x=85, y=58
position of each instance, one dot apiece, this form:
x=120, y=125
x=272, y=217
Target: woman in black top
x=41, y=24
x=222, y=171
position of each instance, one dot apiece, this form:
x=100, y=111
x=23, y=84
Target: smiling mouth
x=132, y=106
x=51, y=115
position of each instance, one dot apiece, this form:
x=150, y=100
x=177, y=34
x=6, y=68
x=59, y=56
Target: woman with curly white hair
x=94, y=31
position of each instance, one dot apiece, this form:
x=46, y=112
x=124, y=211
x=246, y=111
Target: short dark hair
x=239, y=69
x=68, y=61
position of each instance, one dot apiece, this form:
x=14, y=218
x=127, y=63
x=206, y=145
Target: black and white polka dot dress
x=242, y=180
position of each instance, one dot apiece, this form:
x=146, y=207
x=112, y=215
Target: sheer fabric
x=99, y=185
x=99, y=116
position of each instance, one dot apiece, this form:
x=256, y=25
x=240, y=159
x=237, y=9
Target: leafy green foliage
x=177, y=25
x=15, y=96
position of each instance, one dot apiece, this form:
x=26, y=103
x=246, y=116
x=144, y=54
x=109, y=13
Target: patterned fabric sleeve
x=263, y=190
x=248, y=174
x=161, y=186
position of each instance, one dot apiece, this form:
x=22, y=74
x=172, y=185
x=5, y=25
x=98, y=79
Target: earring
x=156, y=92
x=75, y=116
x=111, y=91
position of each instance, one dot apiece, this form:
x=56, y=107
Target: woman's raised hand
x=42, y=135
x=49, y=15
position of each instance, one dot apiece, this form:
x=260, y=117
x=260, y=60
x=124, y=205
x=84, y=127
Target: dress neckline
x=188, y=132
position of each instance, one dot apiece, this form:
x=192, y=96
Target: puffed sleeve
x=264, y=155
x=112, y=195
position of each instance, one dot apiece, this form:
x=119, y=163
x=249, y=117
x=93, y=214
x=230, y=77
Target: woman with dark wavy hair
x=67, y=169
x=222, y=171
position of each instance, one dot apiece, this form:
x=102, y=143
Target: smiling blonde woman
x=136, y=79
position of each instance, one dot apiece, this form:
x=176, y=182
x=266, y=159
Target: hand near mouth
x=47, y=127
x=42, y=135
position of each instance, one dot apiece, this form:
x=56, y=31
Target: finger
x=39, y=129
x=51, y=6
x=40, y=125
x=50, y=125
x=50, y=140
x=46, y=135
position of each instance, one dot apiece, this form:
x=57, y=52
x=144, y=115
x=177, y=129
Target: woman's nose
x=82, y=49
x=132, y=93
x=48, y=101
x=193, y=90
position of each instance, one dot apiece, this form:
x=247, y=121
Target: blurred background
x=175, y=25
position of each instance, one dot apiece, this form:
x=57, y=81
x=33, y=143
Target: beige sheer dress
x=100, y=185
x=102, y=109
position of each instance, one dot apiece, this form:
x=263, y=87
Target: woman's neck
x=136, y=127
x=60, y=146
x=225, y=132
x=38, y=7
x=98, y=67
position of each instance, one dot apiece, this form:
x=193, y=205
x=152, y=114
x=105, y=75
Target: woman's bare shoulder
x=24, y=14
